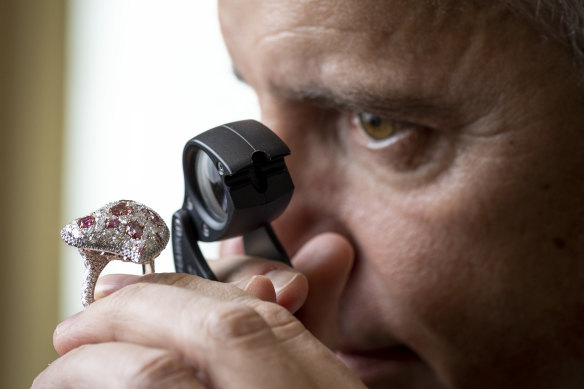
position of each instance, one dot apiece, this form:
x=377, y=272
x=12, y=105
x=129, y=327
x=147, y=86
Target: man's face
x=445, y=142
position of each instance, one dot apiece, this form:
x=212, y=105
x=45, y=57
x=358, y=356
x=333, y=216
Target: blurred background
x=97, y=99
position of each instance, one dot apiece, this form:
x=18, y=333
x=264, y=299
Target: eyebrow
x=361, y=100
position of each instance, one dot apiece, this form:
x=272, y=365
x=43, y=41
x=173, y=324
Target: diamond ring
x=123, y=230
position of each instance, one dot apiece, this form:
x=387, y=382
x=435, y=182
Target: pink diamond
x=112, y=223
x=134, y=229
x=86, y=221
x=121, y=209
x=153, y=216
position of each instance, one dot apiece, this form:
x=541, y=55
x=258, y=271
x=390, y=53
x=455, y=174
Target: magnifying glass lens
x=211, y=187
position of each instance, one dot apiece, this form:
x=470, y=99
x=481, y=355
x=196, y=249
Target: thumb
x=326, y=261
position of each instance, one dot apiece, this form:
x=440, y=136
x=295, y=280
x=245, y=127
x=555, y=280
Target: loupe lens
x=211, y=187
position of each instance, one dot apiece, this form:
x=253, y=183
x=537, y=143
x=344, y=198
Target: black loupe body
x=236, y=183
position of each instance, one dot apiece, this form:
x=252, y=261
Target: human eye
x=399, y=145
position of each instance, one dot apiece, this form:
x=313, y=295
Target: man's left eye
x=376, y=127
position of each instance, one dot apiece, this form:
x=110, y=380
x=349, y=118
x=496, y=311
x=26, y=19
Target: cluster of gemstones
x=125, y=228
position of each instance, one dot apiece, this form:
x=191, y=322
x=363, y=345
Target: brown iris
x=376, y=127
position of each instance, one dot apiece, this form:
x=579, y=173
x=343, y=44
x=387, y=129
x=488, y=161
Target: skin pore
x=467, y=219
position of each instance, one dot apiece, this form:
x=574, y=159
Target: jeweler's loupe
x=236, y=183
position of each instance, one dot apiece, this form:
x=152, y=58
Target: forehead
x=364, y=27
x=402, y=41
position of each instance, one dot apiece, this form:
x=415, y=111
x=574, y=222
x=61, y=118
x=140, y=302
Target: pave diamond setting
x=123, y=230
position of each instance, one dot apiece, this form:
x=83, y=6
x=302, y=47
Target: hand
x=321, y=265
x=180, y=330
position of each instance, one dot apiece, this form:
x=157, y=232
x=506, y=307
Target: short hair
x=562, y=20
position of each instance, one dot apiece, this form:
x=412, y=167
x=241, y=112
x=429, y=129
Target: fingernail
x=65, y=324
x=108, y=284
x=281, y=278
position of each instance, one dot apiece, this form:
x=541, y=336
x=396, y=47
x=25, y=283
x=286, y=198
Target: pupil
x=375, y=121
x=371, y=120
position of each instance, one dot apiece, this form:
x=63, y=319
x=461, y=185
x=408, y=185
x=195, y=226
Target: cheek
x=473, y=262
x=418, y=258
x=434, y=288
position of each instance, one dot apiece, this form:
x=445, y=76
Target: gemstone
x=157, y=237
x=86, y=221
x=121, y=209
x=134, y=230
x=112, y=223
x=153, y=216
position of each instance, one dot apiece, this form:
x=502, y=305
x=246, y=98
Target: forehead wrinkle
x=357, y=17
x=296, y=32
x=366, y=16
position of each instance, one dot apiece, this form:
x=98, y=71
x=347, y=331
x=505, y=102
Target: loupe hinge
x=263, y=243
